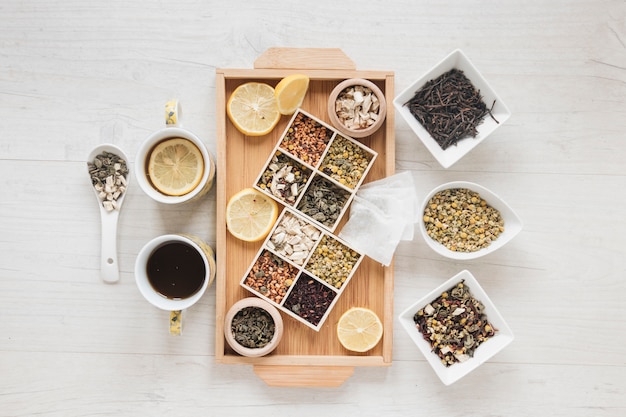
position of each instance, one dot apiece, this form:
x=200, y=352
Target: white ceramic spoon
x=109, y=270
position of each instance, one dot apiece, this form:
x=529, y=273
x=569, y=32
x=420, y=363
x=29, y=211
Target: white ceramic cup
x=173, y=129
x=154, y=297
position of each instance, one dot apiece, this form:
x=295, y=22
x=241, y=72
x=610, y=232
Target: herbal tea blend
x=253, y=327
x=306, y=139
x=284, y=178
x=346, y=162
x=271, y=276
x=454, y=324
x=310, y=299
x=461, y=220
x=108, y=173
x=323, y=201
x=449, y=107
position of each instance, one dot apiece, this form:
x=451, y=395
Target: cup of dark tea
x=173, y=272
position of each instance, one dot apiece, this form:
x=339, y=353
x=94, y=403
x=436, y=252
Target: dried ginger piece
x=357, y=107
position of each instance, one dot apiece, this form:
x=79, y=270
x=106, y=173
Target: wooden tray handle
x=304, y=58
x=303, y=376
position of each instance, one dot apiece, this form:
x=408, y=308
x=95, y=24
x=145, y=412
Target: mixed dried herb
x=109, y=174
x=454, y=324
x=284, y=178
x=271, y=276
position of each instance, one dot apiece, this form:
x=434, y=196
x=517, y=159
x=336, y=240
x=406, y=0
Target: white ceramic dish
x=512, y=223
x=485, y=350
x=457, y=59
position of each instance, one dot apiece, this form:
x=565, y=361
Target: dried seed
x=306, y=139
x=290, y=240
x=108, y=173
x=269, y=276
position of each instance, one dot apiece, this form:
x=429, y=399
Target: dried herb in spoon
x=449, y=107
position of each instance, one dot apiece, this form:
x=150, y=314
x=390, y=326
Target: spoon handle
x=109, y=270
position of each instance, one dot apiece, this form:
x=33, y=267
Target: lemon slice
x=250, y=215
x=359, y=329
x=175, y=166
x=252, y=109
x=290, y=92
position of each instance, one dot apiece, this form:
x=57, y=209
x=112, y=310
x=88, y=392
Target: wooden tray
x=304, y=357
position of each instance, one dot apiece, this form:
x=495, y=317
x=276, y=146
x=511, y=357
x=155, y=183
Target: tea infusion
x=176, y=270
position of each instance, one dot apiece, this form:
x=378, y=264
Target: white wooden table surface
x=74, y=74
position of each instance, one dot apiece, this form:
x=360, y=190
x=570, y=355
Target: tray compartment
x=304, y=286
x=306, y=138
x=347, y=161
x=306, y=143
x=310, y=300
x=284, y=178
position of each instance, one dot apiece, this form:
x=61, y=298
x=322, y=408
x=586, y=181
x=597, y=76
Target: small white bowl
x=512, y=223
x=259, y=303
x=485, y=350
x=332, y=113
x=454, y=153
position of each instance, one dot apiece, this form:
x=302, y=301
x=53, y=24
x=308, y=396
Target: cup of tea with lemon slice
x=173, y=165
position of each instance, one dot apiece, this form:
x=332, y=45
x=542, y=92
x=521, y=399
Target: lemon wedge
x=290, y=93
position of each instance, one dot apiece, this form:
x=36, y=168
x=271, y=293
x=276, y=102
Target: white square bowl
x=512, y=223
x=485, y=350
x=457, y=59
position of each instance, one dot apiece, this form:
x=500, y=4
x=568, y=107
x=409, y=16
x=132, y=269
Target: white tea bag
x=372, y=231
x=395, y=196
